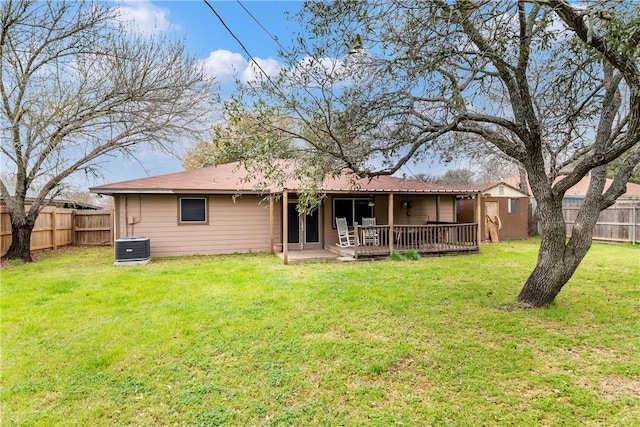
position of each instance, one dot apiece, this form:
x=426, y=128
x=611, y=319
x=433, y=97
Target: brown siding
x=239, y=226
x=243, y=225
x=514, y=225
x=424, y=209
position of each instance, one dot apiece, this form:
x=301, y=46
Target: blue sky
x=223, y=57
x=207, y=39
x=203, y=33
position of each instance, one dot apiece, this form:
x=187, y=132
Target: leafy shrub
x=396, y=256
x=412, y=255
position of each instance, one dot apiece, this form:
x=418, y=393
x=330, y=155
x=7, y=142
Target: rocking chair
x=345, y=237
x=369, y=235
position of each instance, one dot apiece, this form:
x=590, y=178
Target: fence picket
x=618, y=223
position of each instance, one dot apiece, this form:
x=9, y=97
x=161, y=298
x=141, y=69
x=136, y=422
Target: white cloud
x=225, y=66
x=252, y=72
x=144, y=16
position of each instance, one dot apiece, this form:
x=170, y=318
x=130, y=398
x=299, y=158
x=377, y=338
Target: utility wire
x=274, y=38
x=241, y=44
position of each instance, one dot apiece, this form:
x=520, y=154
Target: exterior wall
x=424, y=209
x=239, y=226
x=514, y=225
x=243, y=225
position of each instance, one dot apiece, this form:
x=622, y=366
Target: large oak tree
x=553, y=85
x=78, y=85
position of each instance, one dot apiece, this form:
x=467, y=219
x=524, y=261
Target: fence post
x=634, y=225
x=74, y=226
x=54, y=229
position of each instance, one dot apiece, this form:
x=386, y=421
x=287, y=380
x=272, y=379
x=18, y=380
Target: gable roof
x=483, y=188
x=233, y=178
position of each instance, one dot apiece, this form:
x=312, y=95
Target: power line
x=274, y=38
x=224, y=24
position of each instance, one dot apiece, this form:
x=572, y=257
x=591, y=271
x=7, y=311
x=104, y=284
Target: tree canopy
x=79, y=85
x=239, y=140
x=552, y=85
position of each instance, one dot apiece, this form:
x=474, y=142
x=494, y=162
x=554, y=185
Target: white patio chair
x=369, y=235
x=345, y=237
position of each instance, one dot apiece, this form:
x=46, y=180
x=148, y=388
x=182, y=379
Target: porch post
x=285, y=227
x=356, y=240
x=478, y=218
x=390, y=223
x=271, y=241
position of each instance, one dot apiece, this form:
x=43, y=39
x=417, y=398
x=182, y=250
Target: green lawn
x=244, y=340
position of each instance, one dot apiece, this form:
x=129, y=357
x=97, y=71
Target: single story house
x=502, y=201
x=220, y=209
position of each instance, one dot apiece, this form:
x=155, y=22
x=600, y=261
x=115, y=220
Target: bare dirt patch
x=614, y=387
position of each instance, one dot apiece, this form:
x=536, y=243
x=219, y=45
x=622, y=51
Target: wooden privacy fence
x=57, y=227
x=619, y=223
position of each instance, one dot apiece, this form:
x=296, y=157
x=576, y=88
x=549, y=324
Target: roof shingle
x=232, y=177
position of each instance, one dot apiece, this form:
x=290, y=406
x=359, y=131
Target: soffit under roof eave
x=176, y=191
x=274, y=192
x=116, y=191
x=425, y=192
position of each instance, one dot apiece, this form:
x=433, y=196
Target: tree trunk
x=558, y=258
x=20, y=239
x=556, y=264
x=547, y=279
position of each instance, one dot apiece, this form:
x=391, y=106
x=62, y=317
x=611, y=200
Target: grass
x=245, y=340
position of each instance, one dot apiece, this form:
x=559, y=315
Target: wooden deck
x=382, y=240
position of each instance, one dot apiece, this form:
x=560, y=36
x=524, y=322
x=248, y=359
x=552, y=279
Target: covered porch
x=382, y=240
x=424, y=221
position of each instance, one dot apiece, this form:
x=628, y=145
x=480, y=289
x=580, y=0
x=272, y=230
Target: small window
x=514, y=205
x=193, y=210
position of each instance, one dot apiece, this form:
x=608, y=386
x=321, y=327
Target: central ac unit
x=131, y=250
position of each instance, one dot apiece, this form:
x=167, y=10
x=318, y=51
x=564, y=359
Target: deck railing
x=383, y=239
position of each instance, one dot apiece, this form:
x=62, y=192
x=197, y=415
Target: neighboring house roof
x=232, y=178
x=580, y=189
x=489, y=187
x=63, y=203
